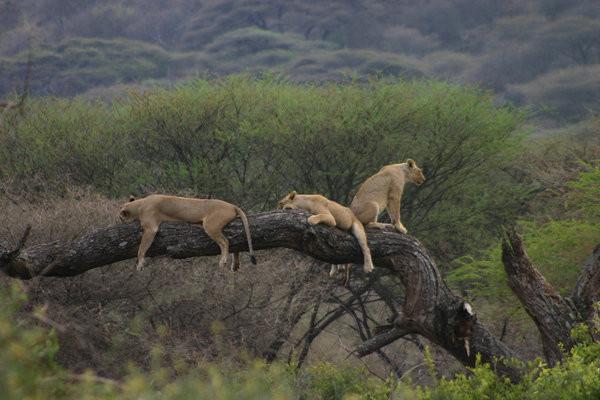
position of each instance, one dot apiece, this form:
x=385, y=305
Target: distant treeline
x=544, y=53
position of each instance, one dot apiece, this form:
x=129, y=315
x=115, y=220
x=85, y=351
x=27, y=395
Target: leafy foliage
x=557, y=249
x=576, y=378
x=585, y=195
x=27, y=365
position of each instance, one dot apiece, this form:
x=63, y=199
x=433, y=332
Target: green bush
x=28, y=371
x=27, y=366
x=330, y=382
x=557, y=248
x=585, y=193
x=577, y=378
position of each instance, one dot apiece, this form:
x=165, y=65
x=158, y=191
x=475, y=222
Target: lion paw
x=400, y=228
x=140, y=265
x=313, y=220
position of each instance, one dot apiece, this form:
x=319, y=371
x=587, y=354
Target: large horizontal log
x=183, y=240
x=430, y=309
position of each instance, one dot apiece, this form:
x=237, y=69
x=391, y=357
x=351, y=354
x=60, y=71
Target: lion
x=212, y=214
x=384, y=191
x=330, y=213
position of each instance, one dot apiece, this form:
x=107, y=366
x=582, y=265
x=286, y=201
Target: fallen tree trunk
x=430, y=309
x=183, y=240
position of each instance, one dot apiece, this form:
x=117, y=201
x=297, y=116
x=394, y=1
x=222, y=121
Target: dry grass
x=55, y=217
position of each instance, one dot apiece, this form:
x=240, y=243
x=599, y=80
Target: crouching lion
x=384, y=191
x=333, y=214
x=211, y=213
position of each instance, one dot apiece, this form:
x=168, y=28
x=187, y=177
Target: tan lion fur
x=333, y=214
x=213, y=214
x=384, y=191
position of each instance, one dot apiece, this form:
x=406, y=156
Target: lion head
x=288, y=201
x=414, y=173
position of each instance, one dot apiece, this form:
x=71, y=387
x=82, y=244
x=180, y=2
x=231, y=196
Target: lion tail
x=242, y=215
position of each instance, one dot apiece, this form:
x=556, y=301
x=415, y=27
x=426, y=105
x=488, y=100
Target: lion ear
x=292, y=194
x=131, y=198
x=411, y=163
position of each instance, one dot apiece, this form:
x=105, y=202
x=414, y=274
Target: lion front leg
x=393, y=209
x=150, y=231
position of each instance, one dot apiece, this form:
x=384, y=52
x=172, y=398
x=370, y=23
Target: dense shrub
x=558, y=248
x=577, y=378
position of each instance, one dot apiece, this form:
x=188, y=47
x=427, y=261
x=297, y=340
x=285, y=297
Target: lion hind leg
x=324, y=218
x=333, y=270
x=368, y=215
x=214, y=229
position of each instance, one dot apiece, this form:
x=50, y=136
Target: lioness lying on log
x=211, y=213
x=333, y=214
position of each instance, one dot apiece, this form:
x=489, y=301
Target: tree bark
x=430, y=309
x=586, y=293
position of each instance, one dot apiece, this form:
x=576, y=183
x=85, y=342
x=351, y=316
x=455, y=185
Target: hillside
x=542, y=53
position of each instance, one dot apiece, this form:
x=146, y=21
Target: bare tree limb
x=553, y=315
x=586, y=293
x=587, y=288
x=377, y=342
x=8, y=256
